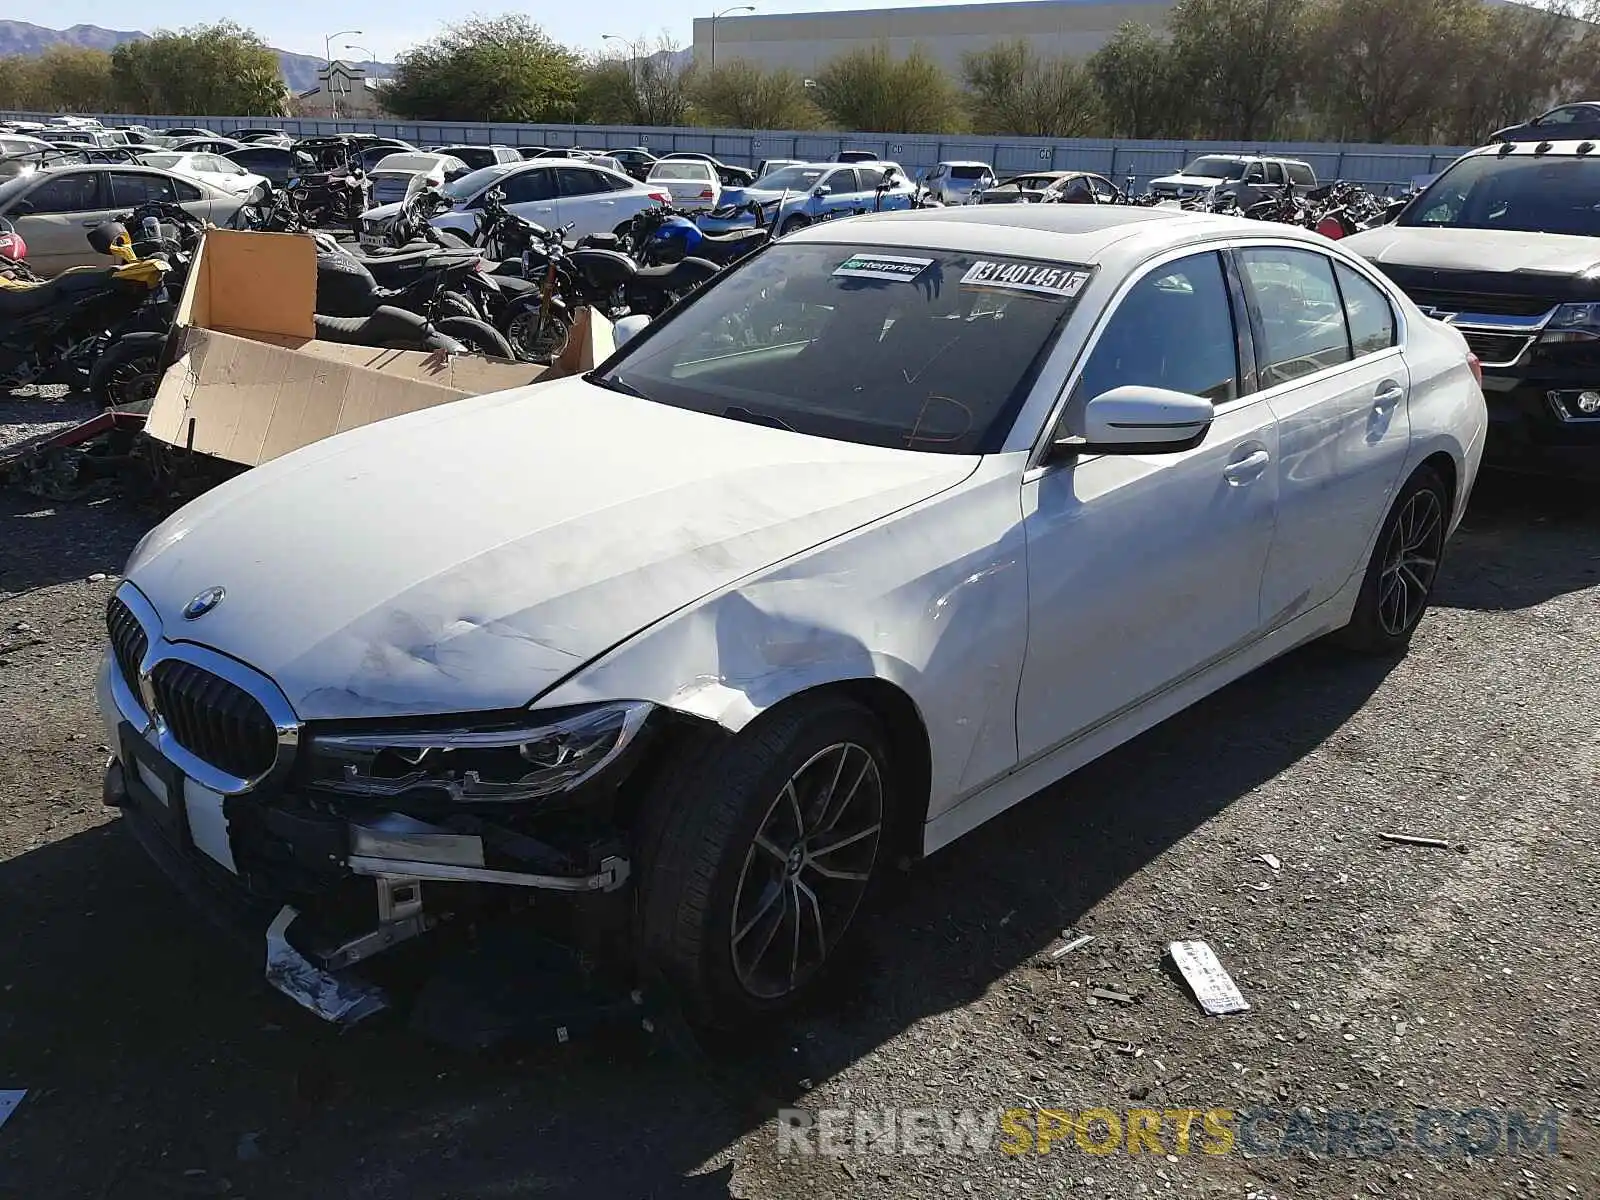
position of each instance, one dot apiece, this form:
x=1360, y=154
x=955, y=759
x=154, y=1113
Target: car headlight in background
x=542, y=755
x=1573, y=323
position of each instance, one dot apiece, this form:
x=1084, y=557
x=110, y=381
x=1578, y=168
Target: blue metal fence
x=1376, y=166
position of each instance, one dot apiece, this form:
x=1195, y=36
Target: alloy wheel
x=806, y=870
x=1410, y=562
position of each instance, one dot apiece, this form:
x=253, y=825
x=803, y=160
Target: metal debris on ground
x=1272, y=861
x=1076, y=943
x=9, y=1101
x=1101, y=993
x=1406, y=839
x=1212, y=985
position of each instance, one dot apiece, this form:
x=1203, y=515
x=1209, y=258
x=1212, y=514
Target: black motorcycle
x=52, y=332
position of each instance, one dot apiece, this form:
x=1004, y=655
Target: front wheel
x=479, y=337
x=536, y=339
x=756, y=855
x=1405, y=563
x=127, y=374
x=792, y=223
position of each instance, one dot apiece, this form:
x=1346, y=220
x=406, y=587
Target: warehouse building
x=806, y=41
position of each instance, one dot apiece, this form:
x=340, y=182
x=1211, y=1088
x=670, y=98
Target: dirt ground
x=1380, y=976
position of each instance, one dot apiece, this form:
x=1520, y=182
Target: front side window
x=842, y=182
x=529, y=186
x=77, y=192
x=913, y=348
x=1302, y=317
x=1567, y=115
x=1173, y=329
x=1529, y=194
x=1367, y=311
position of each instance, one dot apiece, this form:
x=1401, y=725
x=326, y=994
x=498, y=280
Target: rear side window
x=576, y=181
x=1302, y=317
x=1274, y=172
x=871, y=178
x=135, y=187
x=77, y=192
x=1299, y=173
x=1367, y=311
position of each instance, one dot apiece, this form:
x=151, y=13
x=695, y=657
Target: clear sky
x=389, y=26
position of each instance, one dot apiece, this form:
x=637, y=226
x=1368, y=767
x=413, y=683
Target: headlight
x=1573, y=323
x=545, y=754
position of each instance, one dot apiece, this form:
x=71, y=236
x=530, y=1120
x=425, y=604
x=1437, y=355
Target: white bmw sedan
x=889, y=527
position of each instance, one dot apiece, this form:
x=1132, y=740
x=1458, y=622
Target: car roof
x=961, y=162
x=1565, y=148
x=1077, y=233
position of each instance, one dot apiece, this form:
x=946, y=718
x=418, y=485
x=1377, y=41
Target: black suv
x=1505, y=245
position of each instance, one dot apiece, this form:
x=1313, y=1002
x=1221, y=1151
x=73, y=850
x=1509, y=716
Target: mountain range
x=19, y=37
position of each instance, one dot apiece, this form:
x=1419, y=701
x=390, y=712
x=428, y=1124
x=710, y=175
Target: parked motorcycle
x=52, y=332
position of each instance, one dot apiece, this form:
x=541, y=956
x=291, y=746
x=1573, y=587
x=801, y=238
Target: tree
x=486, y=69
x=73, y=79
x=1011, y=90
x=204, y=70
x=20, y=87
x=869, y=91
x=1384, y=71
x=1514, y=61
x=607, y=94
x=1238, y=63
x=745, y=96
x=1133, y=73
x=648, y=87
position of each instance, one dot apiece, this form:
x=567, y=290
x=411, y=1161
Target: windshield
x=474, y=156
x=916, y=349
x=165, y=161
x=1531, y=195
x=470, y=184
x=796, y=179
x=1213, y=167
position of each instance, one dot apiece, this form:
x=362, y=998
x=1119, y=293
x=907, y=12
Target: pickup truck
x=1248, y=177
x=1505, y=246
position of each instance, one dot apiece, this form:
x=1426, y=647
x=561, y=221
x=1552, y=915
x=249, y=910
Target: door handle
x=1248, y=468
x=1388, y=395
x=91, y=224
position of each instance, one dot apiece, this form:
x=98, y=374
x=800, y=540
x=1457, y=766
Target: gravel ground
x=1380, y=976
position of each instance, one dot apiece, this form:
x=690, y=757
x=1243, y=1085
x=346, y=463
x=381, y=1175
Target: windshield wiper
x=754, y=418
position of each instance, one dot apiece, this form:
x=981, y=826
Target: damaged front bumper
x=324, y=889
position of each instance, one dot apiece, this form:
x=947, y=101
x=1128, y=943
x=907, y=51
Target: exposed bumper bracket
x=613, y=873
x=343, y=1001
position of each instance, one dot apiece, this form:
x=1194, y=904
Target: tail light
x=1475, y=366
x=707, y=194
x=661, y=197
x=1331, y=227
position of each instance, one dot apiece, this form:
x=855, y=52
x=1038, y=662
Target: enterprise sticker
x=1023, y=277
x=882, y=266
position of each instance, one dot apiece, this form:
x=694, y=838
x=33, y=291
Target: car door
x=55, y=215
x=1144, y=569
x=1104, y=192
x=588, y=202
x=1330, y=366
x=844, y=195
x=531, y=194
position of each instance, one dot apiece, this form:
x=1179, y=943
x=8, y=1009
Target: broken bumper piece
x=398, y=845
x=342, y=1000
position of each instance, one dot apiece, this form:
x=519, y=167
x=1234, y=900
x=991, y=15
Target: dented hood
x=466, y=557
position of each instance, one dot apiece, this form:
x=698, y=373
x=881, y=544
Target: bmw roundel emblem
x=203, y=603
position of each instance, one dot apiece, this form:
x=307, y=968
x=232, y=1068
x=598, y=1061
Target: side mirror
x=1134, y=419
x=628, y=328
x=821, y=191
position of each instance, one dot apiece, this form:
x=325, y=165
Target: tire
x=1405, y=563
x=791, y=223
x=529, y=341
x=479, y=337
x=454, y=304
x=127, y=374
x=708, y=890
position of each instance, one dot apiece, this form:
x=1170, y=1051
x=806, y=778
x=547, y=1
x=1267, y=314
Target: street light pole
x=633, y=59
x=327, y=57
x=717, y=16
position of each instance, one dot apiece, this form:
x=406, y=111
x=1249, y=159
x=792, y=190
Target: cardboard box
x=249, y=381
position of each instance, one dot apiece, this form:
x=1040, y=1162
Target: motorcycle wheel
x=535, y=342
x=129, y=371
x=479, y=337
x=454, y=304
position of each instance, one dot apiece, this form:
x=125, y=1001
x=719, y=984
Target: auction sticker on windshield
x=882, y=266
x=1026, y=277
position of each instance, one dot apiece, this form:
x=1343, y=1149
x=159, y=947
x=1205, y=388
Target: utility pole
x=717, y=16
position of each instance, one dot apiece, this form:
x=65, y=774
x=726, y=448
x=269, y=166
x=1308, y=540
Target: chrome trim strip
x=1490, y=322
x=143, y=713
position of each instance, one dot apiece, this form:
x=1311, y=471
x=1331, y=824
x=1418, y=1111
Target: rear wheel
x=1405, y=563
x=756, y=855
x=127, y=374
